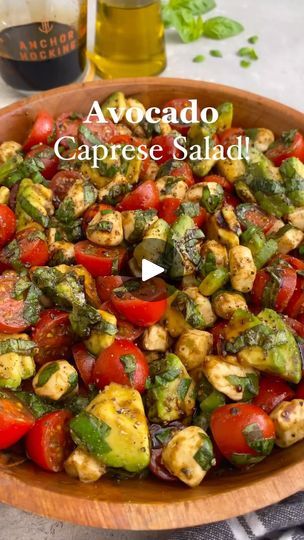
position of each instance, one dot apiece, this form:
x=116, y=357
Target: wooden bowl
x=150, y=504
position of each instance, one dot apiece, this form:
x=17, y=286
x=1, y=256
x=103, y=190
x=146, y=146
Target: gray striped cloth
x=282, y=521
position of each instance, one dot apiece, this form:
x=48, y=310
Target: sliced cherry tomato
x=53, y=336
x=287, y=287
x=106, y=284
x=11, y=310
x=296, y=263
x=31, y=250
x=98, y=260
x=144, y=197
x=123, y=363
x=48, y=443
x=7, y=224
x=126, y=139
x=290, y=144
x=227, y=186
x=168, y=148
x=296, y=326
x=296, y=303
x=44, y=154
x=15, y=420
x=148, y=169
x=179, y=104
x=41, y=132
x=61, y=183
x=239, y=429
x=229, y=136
x=168, y=209
x=272, y=390
x=218, y=336
x=95, y=133
x=261, y=280
x=67, y=125
x=177, y=169
x=251, y=214
x=91, y=212
x=125, y=330
x=300, y=390
x=144, y=307
x=231, y=199
x=84, y=362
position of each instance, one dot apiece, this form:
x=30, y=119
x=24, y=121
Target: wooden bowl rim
x=157, y=515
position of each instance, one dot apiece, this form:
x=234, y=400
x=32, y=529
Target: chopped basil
x=242, y=460
x=38, y=406
x=204, y=456
x=253, y=39
x=248, y=52
x=46, y=373
x=90, y=433
x=167, y=376
x=12, y=253
x=32, y=307
x=249, y=385
x=189, y=209
x=116, y=193
x=245, y=63
x=164, y=436
x=89, y=194
x=189, y=309
x=198, y=58
x=216, y=53
x=103, y=226
x=255, y=439
x=33, y=212
x=89, y=135
x=18, y=346
x=66, y=211
x=129, y=363
x=183, y=388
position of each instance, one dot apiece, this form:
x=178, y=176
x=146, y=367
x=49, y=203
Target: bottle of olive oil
x=129, y=38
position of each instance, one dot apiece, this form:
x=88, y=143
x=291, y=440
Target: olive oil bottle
x=129, y=38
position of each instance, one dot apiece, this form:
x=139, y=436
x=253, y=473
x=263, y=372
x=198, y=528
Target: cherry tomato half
x=53, y=336
x=41, y=132
x=179, y=104
x=122, y=363
x=31, y=250
x=44, y=154
x=61, y=183
x=11, y=310
x=91, y=212
x=179, y=169
x=144, y=307
x=48, y=443
x=227, y=186
x=84, y=362
x=290, y=144
x=67, y=125
x=95, y=133
x=98, y=260
x=272, y=390
x=7, y=224
x=229, y=136
x=168, y=148
x=168, y=210
x=15, y=420
x=144, y=197
x=125, y=330
x=240, y=429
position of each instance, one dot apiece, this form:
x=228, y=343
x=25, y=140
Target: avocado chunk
x=171, y=391
x=16, y=359
x=264, y=342
x=116, y=101
x=152, y=247
x=182, y=254
x=225, y=111
x=113, y=428
x=292, y=171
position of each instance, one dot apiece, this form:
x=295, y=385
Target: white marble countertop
x=278, y=74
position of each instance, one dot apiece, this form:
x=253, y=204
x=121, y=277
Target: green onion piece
x=214, y=281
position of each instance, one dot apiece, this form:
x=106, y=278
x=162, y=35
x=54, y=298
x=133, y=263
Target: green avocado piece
x=279, y=354
x=153, y=245
x=292, y=171
x=114, y=429
x=225, y=118
x=171, y=392
x=116, y=101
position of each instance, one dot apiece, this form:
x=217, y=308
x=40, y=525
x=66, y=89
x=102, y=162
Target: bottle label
x=37, y=42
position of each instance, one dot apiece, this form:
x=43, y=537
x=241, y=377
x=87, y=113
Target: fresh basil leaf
x=189, y=27
x=129, y=363
x=46, y=373
x=189, y=209
x=249, y=384
x=32, y=307
x=90, y=433
x=38, y=406
x=204, y=456
x=164, y=435
x=222, y=28
x=255, y=439
x=183, y=388
x=189, y=310
x=18, y=346
x=242, y=460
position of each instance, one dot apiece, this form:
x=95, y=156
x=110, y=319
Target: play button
x=150, y=270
